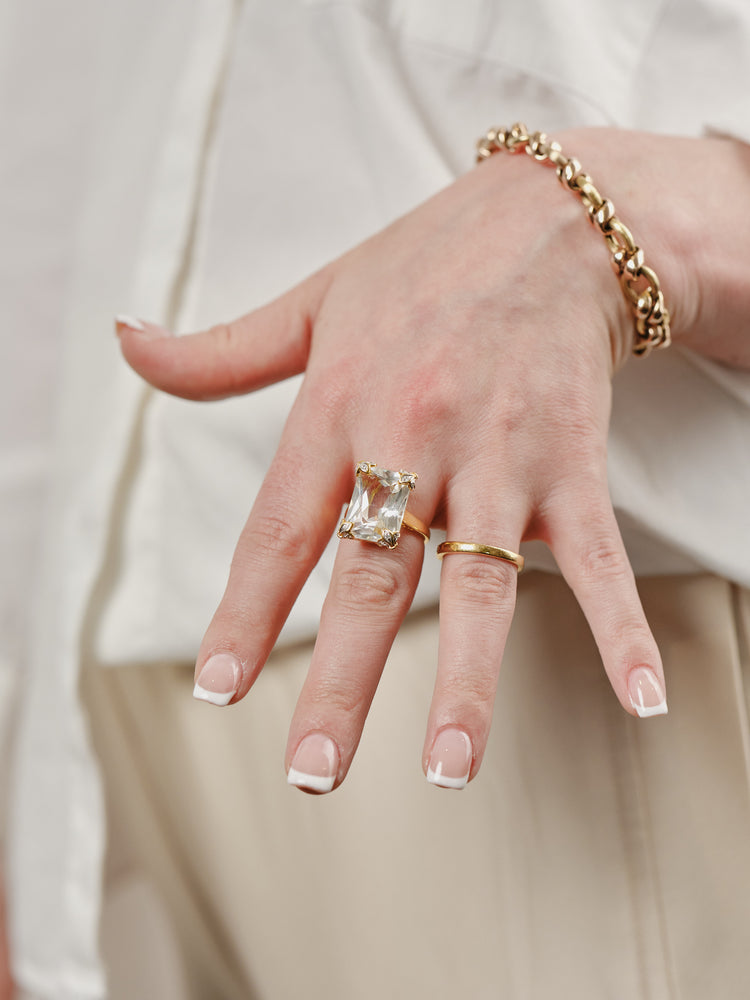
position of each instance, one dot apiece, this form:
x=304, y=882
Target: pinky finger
x=587, y=544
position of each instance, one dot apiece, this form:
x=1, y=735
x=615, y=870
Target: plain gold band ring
x=482, y=550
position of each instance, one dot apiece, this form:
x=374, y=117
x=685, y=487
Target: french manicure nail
x=315, y=764
x=219, y=679
x=150, y=330
x=450, y=760
x=130, y=322
x=646, y=692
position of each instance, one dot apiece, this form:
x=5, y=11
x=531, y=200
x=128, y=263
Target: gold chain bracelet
x=639, y=282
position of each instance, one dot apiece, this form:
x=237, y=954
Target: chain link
x=639, y=282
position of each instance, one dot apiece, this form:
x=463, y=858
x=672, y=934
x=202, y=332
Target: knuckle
x=225, y=341
x=512, y=417
x=482, y=580
x=329, y=392
x=275, y=538
x=602, y=557
x=471, y=693
x=431, y=399
x=372, y=586
x=342, y=696
x=225, y=335
x=627, y=630
x=241, y=625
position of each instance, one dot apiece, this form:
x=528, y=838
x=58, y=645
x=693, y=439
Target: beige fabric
x=596, y=855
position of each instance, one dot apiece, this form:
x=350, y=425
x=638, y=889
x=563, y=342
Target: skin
x=491, y=325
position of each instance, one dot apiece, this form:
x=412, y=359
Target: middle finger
x=371, y=590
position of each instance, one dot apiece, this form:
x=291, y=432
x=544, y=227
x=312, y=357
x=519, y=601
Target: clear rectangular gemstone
x=377, y=506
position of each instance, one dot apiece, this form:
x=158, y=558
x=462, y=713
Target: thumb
x=265, y=346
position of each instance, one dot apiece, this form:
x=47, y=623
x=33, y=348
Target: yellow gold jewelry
x=481, y=550
x=639, y=282
x=414, y=524
x=377, y=510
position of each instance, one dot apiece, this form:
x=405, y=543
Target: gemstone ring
x=377, y=510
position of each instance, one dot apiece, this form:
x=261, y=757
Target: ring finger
x=477, y=598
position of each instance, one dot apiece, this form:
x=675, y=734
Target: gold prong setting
x=389, y=539
x=378, y=505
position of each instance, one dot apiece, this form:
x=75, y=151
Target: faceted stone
x=377, y=506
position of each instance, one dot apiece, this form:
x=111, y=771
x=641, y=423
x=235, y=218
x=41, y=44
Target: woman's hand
x=472, y=342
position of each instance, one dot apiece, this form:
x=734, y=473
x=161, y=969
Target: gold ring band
x=414, y=524
x=481, y=550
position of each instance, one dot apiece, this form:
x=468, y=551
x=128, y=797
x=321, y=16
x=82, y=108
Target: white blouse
x=187, y=160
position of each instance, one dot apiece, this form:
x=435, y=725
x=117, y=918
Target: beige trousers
x=595, y=856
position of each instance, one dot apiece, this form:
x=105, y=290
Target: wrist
x=564, y=254
x=639, y=282
x=682, y=197
x=648, y=237
x=720, y=251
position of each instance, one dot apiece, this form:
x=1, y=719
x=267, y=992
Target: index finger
x=289, y=526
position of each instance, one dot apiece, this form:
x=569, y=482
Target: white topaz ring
x=377, y=510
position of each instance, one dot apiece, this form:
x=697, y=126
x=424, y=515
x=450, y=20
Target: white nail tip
x=315, y=782
x=646, y=713
x=130, y=321
x=443, y=781
x=220, y=698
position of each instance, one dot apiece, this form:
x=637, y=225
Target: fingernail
x=219, y=679
x=315, y=764
x=450, y=760
x=150, y=330
x=646, y=692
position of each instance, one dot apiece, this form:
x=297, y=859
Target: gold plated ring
x=482, y=550
x=377, y=510
x=414, y=524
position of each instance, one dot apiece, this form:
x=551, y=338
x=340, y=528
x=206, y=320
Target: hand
x=472, y=342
